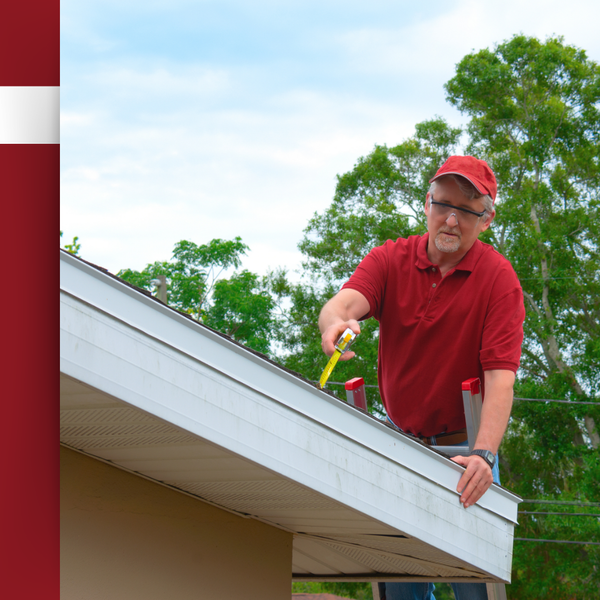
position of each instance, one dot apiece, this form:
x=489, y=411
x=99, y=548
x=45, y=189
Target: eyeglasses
x=444, y=210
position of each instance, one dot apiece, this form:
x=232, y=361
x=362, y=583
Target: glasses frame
x=451, y=206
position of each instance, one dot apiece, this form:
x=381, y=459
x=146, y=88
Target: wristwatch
x=488, y=456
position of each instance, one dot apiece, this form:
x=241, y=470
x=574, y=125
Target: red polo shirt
x=435, y=333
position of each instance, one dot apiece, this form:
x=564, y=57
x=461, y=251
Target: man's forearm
x=335, y=311
x=496, y=409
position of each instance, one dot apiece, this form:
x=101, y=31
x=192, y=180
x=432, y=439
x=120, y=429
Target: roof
x=153, y=392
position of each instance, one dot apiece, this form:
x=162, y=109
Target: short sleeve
x=370, y=279
x=503, y=327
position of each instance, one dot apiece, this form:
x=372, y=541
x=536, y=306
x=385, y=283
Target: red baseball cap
x=476, y=171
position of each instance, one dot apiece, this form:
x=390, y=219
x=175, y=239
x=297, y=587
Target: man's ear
x=488, y=221
x=427, y=205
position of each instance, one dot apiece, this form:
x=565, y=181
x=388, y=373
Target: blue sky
x=201, y=119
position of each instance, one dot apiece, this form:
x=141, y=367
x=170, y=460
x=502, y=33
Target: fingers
x=328, y=339
x=332, y=334
x=353, y=324
x=475, y=481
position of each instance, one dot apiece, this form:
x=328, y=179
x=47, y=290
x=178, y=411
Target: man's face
x=454, y=231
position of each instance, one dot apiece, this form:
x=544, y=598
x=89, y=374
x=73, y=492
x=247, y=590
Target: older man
x=449, y=308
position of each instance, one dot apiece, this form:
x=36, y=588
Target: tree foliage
x=240, y=306
x=539, y=127
x=74, y=247
x=191, y=273
x=354, y=590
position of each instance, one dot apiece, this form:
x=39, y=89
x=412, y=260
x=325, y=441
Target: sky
x=195, y=120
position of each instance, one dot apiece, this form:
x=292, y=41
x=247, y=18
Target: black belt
x=446, y=439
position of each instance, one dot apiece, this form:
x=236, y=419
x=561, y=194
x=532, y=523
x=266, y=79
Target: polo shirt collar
x=466, y=264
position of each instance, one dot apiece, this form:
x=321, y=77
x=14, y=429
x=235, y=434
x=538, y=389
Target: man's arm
x=494, y=418
x=341, y=312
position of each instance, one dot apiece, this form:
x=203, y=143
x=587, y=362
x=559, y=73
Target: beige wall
x=123, y=537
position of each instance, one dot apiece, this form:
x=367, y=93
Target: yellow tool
x=341, y=346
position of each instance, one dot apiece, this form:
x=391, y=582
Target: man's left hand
x=475, y=481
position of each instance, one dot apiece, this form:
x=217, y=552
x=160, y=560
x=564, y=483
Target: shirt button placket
x=432, y=289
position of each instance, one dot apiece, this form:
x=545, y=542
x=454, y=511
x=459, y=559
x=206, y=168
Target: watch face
x=489, y=456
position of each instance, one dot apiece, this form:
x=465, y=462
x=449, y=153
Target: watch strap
x=487, y=455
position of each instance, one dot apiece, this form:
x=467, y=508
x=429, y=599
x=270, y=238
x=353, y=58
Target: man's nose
x=455, y=220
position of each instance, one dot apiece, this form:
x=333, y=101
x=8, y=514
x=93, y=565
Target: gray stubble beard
x=447, y=247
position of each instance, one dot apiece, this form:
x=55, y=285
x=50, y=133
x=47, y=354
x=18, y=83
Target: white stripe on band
x=30, y=115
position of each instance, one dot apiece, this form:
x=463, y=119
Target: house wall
x=124, y=537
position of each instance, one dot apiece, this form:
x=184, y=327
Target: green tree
x=191, y=273
x=74, y=247
x=534, y=115
x=242, y=306
x=353, y=590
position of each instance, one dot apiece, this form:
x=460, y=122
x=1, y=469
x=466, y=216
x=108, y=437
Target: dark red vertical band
x=29, y=188
x=30, y=371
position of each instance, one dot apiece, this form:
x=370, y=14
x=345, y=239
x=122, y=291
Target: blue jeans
x=424, y=591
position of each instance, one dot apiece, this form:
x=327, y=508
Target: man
x=449, y=308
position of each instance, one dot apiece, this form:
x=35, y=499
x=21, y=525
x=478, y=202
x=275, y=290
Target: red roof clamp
x=472, y=385
x=355, y=392
x=352, y=384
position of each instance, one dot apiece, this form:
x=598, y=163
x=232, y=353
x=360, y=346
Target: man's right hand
x=340, y=313
x=332, y=334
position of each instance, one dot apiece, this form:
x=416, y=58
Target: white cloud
x=432, y=47
x=166, y=80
